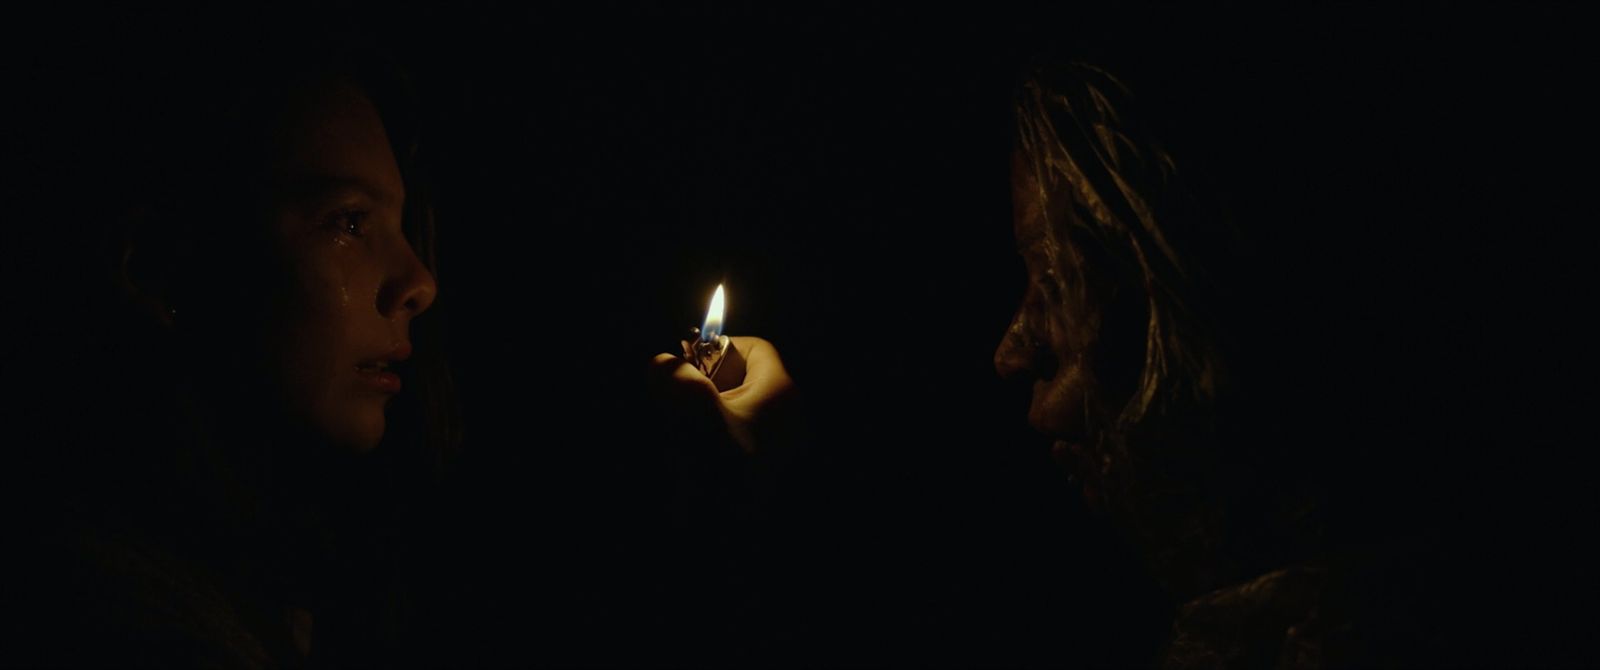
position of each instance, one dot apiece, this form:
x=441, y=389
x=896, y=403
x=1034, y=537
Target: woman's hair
x=1112, y=193
x=1114, y=199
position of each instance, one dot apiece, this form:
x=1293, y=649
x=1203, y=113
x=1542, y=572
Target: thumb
x=672, y=375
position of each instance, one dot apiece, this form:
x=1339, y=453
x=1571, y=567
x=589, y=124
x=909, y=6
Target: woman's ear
x=144, y=270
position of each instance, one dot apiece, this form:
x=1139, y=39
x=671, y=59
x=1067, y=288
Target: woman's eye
x=1050, y=283
x=351, y=222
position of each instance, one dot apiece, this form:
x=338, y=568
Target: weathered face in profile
x=1052, y=337
x=343, y=282
x=1112, y=333
x=1057, y=339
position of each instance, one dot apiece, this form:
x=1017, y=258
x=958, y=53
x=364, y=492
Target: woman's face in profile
x=1056, y=340
x=1051, y=340
x=343, y=281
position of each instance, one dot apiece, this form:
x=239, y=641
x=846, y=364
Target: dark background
x=1407, y=175
x=1401, y=171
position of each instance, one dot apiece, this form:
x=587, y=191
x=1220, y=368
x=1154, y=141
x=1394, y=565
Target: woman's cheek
x=1059, y=406
x=314, y=320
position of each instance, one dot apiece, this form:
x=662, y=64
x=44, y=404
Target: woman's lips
x=378, y=376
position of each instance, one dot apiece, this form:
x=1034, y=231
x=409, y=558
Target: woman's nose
x=410, y=291
x=1020, y=354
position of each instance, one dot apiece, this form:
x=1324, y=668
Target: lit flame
x=713, y=325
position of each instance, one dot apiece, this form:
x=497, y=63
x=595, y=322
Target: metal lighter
x=712, y=352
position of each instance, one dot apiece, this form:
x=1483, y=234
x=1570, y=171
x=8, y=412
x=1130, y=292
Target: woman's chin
x=356, y=431
x=1073, y=459
x=367, y=439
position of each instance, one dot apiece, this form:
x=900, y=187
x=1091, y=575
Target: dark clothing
x=1268, y=622
x=99, y=598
